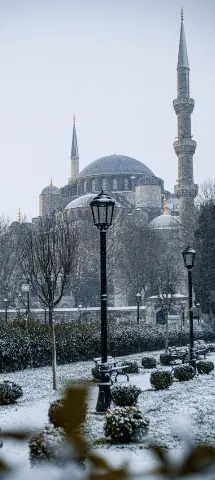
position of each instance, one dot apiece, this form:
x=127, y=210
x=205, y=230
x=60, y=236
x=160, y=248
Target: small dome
x=164, y=222
x=50, y=190
x=81, y=202
x=116, y=164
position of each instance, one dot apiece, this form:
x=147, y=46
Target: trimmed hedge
x=125, y=424
x=78, y=342
x=149, y=362
x=184, y=373
x=160, y=380
x=125, y=395
x=205, y=366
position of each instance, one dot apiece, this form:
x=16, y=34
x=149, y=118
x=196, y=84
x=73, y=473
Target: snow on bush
x=205, y=366
x=47, y=446
x=131, y=367
x=165, y=358
x=9, y=392
x=53, y=413
x=184, y=373
x=125, y=424
x=161, y=380
x=149, y=362
x=125, y=395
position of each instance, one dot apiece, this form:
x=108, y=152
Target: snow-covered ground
x=185, y=411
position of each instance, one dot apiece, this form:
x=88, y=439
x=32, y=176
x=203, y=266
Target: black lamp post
x=26, y=288
x=189, y=261
x=6, y=304
x=138, y=300
x=198, y=311
x=102, y=209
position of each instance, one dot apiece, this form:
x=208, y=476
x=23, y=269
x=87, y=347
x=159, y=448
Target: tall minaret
x=74, y=155
x=184, y=146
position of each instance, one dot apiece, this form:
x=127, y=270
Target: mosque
x=127, y=179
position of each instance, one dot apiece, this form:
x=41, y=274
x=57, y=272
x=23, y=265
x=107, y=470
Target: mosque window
x=126, y=183
x=85, y=187
x=114, y=184
x=93, y=186
x=104, y=184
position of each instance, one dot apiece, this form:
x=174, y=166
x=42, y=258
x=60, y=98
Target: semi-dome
x=81, y=202
x=116, y=164
x=50, y=189
x=164, y=222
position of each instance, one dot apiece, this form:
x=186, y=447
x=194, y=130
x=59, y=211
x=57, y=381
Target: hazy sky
x=113, y=63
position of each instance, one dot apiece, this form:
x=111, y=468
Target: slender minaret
x=184, y=146
x=74, y=155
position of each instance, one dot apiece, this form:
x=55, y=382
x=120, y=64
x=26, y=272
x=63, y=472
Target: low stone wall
x=126, y=315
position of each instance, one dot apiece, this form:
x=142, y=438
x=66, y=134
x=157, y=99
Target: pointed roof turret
x=74, y=149
x=182, y=53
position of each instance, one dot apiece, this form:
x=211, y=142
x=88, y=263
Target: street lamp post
x=102, y=207
x=6, y=304
x=189, y=261
x=26, y=288
x=198, y=311
x=138, y=300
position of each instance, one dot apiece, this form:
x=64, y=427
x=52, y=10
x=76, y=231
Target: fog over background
x=113, y=63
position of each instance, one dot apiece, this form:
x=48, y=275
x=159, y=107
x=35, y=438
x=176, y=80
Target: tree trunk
x=167, y=331
x=52, y=335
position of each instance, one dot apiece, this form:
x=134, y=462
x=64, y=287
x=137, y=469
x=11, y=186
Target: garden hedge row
x=78, y=342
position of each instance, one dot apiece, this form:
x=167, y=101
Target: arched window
x=104, y=184
x=126, y=183
x=114, y=184
x=85, y=187
x=93, y=186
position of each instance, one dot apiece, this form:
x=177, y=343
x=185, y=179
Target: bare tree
x=49, y=261
x=165, y=280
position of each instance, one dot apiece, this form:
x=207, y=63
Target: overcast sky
x=113, y=63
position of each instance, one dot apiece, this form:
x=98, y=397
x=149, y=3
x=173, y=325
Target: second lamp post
x=102, y=209
x=138, y=300
x=189, y=261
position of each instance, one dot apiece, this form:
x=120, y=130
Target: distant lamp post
x=138, y=300
x=198, y=306
x=19, y=305
x=26, y=288
x=189, y=262
x=6, y=305
x=102, y=207
x=52, y=326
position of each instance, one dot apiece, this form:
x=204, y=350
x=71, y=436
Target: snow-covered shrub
x=125, y=424
x=47, y=446
x=53, y=413
x=165, y=358
x=161, y=380
x=9, y=392
x=149, y=362
x=125, y=395
x=205, y=366
x=184, y=373
x=131, y=367
x=95, y=373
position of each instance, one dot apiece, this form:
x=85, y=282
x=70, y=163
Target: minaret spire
x=74, y=154
x=184, y=146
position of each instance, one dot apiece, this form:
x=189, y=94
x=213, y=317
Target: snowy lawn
x=185, y=410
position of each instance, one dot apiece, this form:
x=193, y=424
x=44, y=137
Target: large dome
x=116, y=164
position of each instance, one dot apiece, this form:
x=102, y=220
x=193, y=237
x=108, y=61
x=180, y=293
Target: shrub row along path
x=185, y=411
